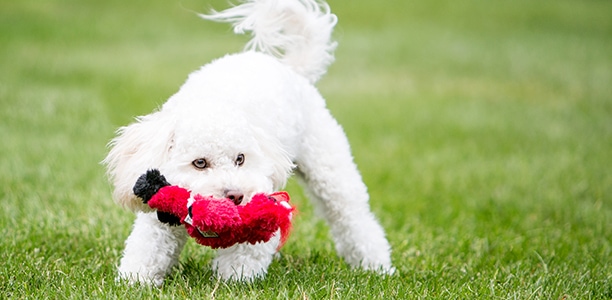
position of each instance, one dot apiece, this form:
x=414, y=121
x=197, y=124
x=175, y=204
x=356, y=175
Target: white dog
x=239, y=126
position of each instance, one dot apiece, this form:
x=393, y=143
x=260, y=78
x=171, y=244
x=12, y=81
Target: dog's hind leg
x=327, y=171
x=151, y=250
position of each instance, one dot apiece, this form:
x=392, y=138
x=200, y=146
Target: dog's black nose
x=235, y=196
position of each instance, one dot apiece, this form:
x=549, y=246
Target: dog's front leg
x=151, y=250
x=245, y=262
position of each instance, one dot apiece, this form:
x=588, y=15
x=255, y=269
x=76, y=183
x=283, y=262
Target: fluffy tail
x=297, y=32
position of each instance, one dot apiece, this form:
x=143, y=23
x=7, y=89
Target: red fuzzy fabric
x=219, y=223
x=171, y=199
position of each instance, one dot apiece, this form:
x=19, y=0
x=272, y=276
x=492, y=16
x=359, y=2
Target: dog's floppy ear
x=281, y=164
x=138, y=147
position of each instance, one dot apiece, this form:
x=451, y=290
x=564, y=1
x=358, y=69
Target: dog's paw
x=135, y=278
x=386, y=270
x=242, y=273
x=245, y=262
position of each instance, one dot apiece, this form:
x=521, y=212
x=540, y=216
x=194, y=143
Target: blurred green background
x=482, y=128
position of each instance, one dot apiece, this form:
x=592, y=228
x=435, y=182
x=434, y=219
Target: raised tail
x=297, y=32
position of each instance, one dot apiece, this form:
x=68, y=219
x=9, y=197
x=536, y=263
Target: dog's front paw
x=239, y=273
x=245, y=262
x=133, y=278
x=382, y=269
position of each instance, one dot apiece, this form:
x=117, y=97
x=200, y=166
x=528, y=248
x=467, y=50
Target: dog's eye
x=200, y=163
x=240, y=159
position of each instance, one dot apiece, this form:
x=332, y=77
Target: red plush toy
x=217, y=223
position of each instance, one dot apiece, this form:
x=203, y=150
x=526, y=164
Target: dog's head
x=212, y=153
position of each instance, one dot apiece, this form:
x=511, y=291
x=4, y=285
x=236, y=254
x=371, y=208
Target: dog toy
x=217, y=223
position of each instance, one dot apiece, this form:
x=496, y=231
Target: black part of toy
x=168, y=218
x=148, y=184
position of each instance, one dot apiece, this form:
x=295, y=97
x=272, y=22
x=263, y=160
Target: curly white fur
x=262, y=104
x=298, y=32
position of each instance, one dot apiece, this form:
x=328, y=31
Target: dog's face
x=209, y=154
x=224, y=158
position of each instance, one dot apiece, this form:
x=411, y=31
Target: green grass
x=483, y=130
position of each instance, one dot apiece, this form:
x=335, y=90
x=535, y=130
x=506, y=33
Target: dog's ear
x=138, y=147
x=280, y=162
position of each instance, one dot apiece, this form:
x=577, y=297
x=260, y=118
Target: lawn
x=483, y=130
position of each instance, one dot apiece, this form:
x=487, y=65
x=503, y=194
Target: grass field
x=482, y=128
